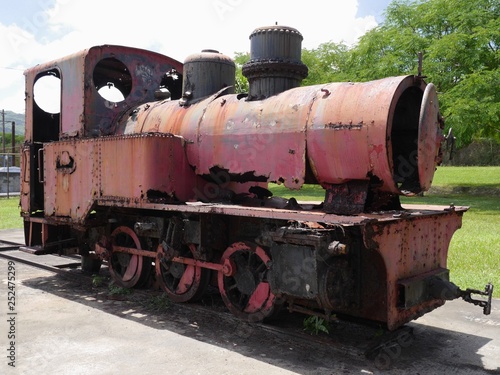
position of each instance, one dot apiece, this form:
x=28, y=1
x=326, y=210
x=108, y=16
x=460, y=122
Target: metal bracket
x=485, y=304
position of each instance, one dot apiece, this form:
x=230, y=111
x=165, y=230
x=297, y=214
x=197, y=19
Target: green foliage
x=241, y=82
x=98, y=281
x=473, y=106
x=8, y=139
x=315, y=325
x=115, y=290
x=460, y=40
x=327, y=63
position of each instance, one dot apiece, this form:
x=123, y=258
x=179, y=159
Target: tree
x=327, y=63
x=240, y=59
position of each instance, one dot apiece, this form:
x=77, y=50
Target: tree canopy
x=460, y=42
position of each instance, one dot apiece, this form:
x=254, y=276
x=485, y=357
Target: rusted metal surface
x=83, y=111
x=346, y=199
x=148, y=167
x=71, y=178
x=198, y=263
x=275, y=61
x=24, y=199
x=315, y=215
x=180, y=179
x=134, y=251
x=205, y=73
x=430, y=137
x=410, y=247
x=345, y=131
x=350, y=132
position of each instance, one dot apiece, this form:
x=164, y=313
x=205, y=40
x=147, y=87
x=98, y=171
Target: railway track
x=8, y=245
x=49, y=262
x=345, y=339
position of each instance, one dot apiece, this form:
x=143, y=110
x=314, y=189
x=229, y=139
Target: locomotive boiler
x=168, y=183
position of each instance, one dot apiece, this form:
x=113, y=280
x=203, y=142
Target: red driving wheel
x=181, y=282
x=128, y=270
x=243, y=282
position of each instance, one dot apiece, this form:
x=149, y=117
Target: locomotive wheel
x=128, y=270
x=243, y=285
x=182, y=282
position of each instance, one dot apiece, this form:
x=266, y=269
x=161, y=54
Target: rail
x=55, y=263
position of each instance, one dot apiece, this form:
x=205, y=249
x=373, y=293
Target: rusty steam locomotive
x=170, y=181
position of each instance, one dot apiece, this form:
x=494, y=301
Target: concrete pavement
x=67, y=326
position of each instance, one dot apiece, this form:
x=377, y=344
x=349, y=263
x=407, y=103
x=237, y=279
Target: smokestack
x=275, y=61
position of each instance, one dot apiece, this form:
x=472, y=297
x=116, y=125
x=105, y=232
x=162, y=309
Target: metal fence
x=10, y=173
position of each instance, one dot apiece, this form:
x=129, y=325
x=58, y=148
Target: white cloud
x=68, y=26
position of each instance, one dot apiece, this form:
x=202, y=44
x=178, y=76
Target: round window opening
x=112, y=79
x=47, y=92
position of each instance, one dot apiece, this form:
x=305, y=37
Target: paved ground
x=65, y=326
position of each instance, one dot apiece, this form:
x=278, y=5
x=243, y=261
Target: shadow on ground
x=283, y=343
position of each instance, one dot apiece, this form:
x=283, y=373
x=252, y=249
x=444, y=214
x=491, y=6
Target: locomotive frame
x=170, y=183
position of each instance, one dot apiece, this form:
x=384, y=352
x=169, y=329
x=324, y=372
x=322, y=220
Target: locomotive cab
x=78, y=97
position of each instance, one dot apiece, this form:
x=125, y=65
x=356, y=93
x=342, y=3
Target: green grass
x=10, y=213
x=307, y=193
x=467, y=176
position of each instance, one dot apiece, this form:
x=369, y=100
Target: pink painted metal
x=84, y=112
x=147, y=167
x=183, y=278
x=344, y=131
x=350, y=127
x=126, y=269
x=162, y=155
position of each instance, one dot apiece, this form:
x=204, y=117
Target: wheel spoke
x=244, y=292
x=182, y=283
x=242, y=300
x=261, y=268
x=259, y=298
x=128, y=270
x=186, y=281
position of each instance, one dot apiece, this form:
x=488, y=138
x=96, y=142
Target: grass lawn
x=467, y=176
x=10, y=216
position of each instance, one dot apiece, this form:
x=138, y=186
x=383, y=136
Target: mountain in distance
x=18, y=118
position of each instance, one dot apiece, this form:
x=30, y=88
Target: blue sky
x=35, y=31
